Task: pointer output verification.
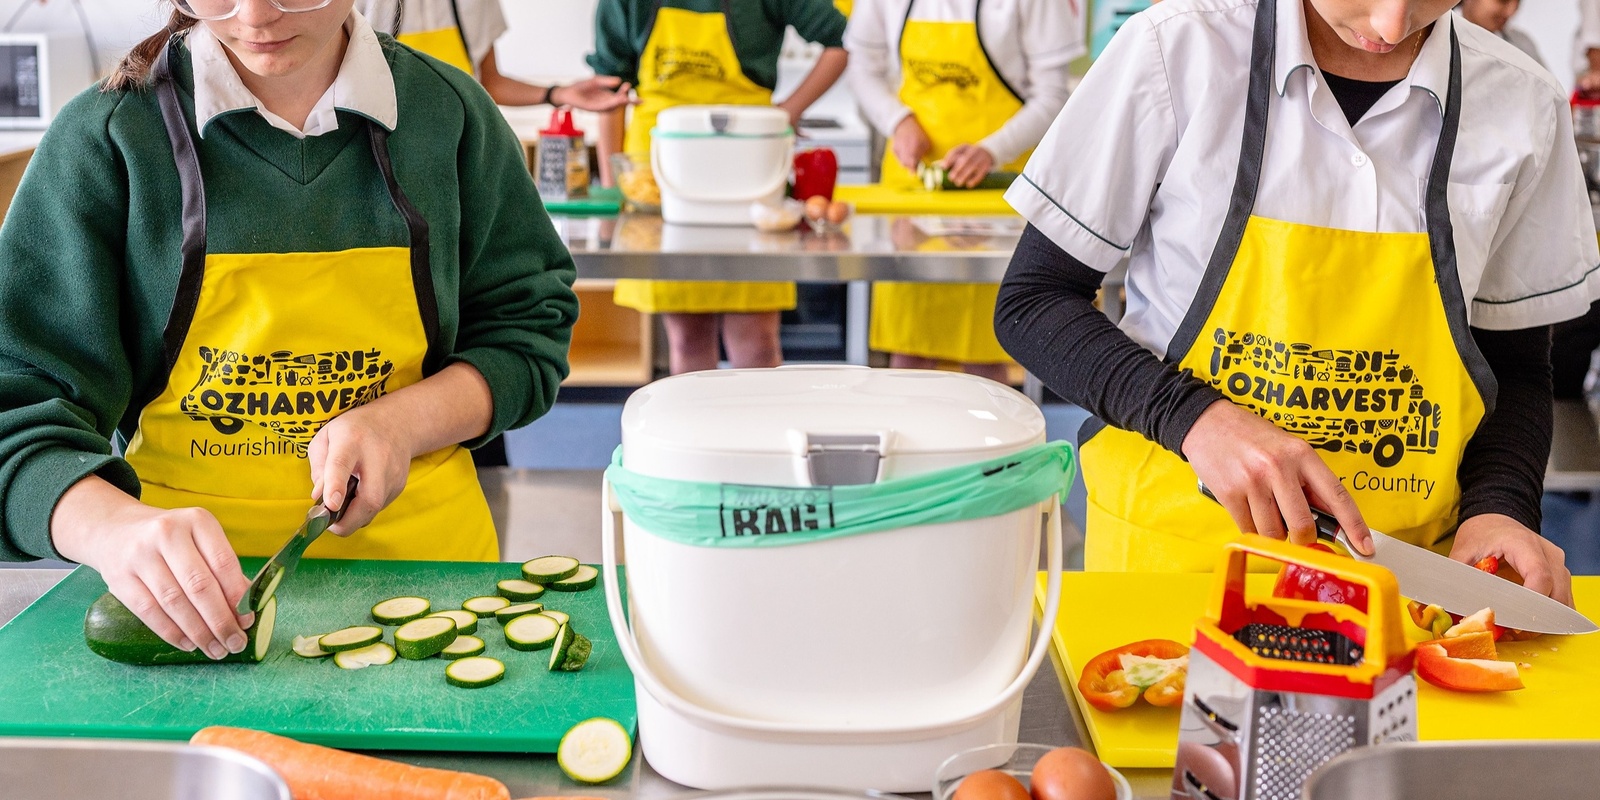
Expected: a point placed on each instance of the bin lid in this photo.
(770, 411)
(694, 121)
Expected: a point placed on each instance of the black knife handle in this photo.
(349, 497)
(1327, 524)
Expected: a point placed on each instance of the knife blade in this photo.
(1432, 579)
(283, 563)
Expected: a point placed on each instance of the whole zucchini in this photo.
(113, 632)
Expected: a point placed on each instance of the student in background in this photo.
(972, 85)
(1493, 16)
(272, 253)
(694, 52)
(462, 33)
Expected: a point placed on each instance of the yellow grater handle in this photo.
(1386, 640)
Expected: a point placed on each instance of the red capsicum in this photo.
(1303, 583)
(815, 173)
(1106, 685)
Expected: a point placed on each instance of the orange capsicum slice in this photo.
(1436, 666)
(1104, 683)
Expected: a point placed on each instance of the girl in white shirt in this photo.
(1349, 225)
(972, 84)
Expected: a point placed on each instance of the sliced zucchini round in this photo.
(485, 606)
(595, 750)
(309, 647)
(585, 578)
(424, 638)
(462, 647)
(561, 617)
(400, 610)
(370, 656)
(474, 673)
(519, 591)
(571, 651)
(353, 638)
(513, 611)
(531, 632)
(466, 621)
(547, 569)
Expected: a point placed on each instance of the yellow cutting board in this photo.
(1102, 610)
(879, 199)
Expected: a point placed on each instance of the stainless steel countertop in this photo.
(869, 247)
(1047, 718)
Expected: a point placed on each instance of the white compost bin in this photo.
(859, 662)
(712, 162)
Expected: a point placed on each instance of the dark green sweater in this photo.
(89, 261)
(622, 27)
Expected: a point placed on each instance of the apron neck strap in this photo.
(421, 259)
(193, 193)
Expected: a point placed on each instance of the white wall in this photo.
(548, 39)
(1552, 24)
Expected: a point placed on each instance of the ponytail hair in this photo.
(133, 71)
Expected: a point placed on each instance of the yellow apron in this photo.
(1357, 342)
(446, 44)
(250, 382)
(689, 60)
(950, 84)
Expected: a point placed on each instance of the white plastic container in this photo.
(712, 162)
(861, 662)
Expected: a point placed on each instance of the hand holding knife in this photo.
(1432, 579)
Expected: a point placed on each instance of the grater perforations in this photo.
(1293, 745)
(1299, 644)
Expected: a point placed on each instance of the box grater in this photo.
(1278, 687)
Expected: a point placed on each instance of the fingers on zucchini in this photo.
(352, 638)
(585, 577)
(548, 569)
(113, 632)
(374, 655)
(424, 638)
(531, 632)
(475, 672)
(519, 591)
(400, 610)
(485, 606)
(462, 647)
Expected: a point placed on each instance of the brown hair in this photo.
(133, 71)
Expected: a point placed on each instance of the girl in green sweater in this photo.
(275, 252)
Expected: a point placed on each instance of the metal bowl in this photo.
(1016, 760)
(88, 769)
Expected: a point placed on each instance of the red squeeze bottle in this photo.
(815, 173)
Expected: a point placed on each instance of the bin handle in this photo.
(610, 524)
(768, 186)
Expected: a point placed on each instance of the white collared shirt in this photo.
(1141, 163)
(482, 21)
(364, 84)
(1031, 43)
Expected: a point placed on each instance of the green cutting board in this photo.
(600, 202)
(52, 685)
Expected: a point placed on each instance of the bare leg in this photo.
(904, 361)
(994, 372)
(752, 339)
(691, 342)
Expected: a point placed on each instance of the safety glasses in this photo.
(223, 9)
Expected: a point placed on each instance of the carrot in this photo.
(323, 773)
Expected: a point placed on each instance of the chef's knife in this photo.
(1432, 579)
(282, 564)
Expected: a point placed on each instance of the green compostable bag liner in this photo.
(740, 515)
